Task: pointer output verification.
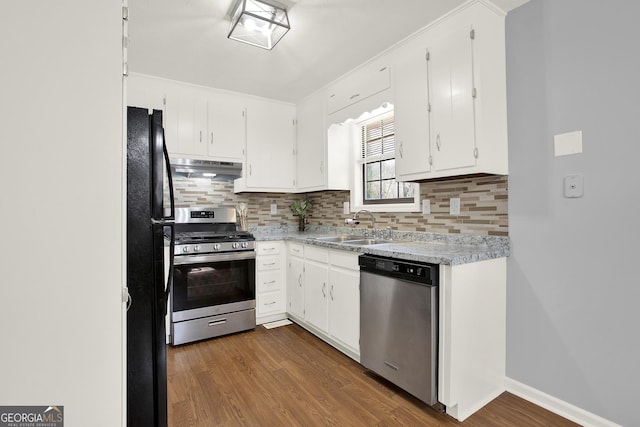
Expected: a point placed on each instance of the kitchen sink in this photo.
(364, 242)
(338, 239)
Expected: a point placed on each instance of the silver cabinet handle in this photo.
(324, 285)
(211, 137)
(269, 263)
(218, 322)
(269, 303)
(395, 368)
(401, 150)
(250, 170)
(272, 248)
(331, 292)
(269, 283)
(200, 136)
(354, 96)
(322, 166)
(438, 142)
(300, 280)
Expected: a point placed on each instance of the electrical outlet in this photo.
(573, 186)
(345, 208)
(274, 209)
(454, 206)
(426, 206)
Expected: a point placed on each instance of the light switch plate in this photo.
(568, 143)
(426, 207)
(454, 206)
(274, 209)
(345, 208)
(573, 186)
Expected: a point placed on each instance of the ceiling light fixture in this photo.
(259, 23)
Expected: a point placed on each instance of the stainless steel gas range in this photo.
(213, 291)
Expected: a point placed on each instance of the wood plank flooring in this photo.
(287, 377)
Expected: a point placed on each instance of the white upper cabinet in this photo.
(270, 147)
(227, 129)
(411, 110)
(358, 85)
(322, 163)
(450, 108)
(145, 92)
(200, 123)
(186, 123)
(451, 80)
(311, 159)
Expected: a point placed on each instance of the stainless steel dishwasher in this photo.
(399, 323)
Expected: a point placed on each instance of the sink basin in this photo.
(338, 239)
(364, 242)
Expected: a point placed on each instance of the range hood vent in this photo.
(211, 169)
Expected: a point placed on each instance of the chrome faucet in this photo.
(354, 220)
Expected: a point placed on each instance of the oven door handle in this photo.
(199, 259)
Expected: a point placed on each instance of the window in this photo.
(377, 155)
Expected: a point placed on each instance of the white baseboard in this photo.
(557, 406)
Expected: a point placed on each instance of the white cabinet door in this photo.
(145, 92)
(450, 69)
(186, 124)
(295, 282)
(227, 131)
(270, 146)
(311, 167)
(344, 306)
(316, 281)
(411, 112)
(358, 85)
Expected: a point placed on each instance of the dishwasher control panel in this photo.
(424, 273)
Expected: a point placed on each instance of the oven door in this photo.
(211, 284)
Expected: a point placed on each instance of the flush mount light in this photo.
(259, 23)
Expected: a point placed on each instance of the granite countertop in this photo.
(424, 247)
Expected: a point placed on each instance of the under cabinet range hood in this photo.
(211, 169)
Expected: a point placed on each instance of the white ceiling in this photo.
(186, 40)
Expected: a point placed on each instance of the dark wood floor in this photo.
(287, 377)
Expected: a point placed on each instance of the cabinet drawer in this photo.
(269, 281)
(344, 259)
(266, 263)
(296, 249)
(268, 248)
(270, 303)
(316, 254)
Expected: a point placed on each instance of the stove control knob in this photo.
(196, 248)
(234, 245)
(216, 246)
(185, 249)
(245, 245)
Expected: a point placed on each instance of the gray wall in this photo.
(573, 310)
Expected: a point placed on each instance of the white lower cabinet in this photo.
(295, 288)
(472, 339)
(344, 299)
(270, 282)
(316, 278)
(329, 288)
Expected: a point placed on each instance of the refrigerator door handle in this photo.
(167, 290)
(165, 152)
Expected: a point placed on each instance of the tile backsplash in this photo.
(483, 205)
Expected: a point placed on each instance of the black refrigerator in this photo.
(149, 228)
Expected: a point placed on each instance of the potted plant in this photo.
(301, 208)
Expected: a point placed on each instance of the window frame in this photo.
(358, 172)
